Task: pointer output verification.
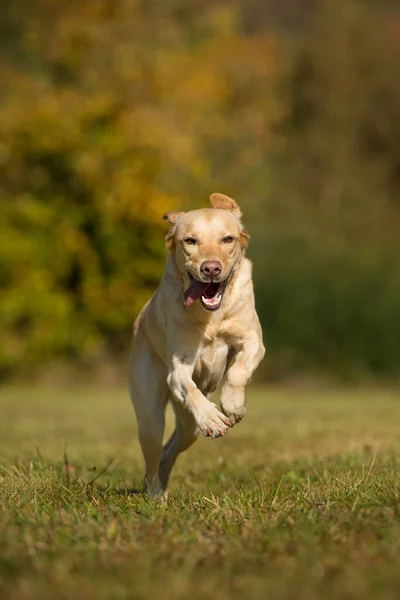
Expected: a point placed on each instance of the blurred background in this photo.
(114, 111)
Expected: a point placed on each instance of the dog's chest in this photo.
(211, 363)
(213, 354)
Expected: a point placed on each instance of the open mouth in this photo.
(209, 292)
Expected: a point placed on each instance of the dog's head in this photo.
(207, 245)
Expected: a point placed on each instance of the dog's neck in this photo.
(196, 312)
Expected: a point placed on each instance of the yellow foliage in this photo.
(103, 128)
(114, 112)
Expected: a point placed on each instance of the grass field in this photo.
(301, 500)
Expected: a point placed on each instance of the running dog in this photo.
(200, 323)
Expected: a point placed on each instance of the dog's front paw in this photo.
(211, 422)
(233, 403)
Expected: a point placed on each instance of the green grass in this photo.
(301, 500)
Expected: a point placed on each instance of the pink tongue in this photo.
(194, 291)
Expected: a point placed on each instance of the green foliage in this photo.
(327, 250)
(129, 109)
(331, 308)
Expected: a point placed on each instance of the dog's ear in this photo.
(172, 216)
(244, 239)
(225, 203)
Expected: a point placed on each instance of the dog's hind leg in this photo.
(149, 395)
(185, 434)
(150, 414)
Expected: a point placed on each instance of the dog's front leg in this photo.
(209, 419)
(233, 399)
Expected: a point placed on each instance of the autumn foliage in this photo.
(112, 113)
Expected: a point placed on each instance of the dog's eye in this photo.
(190, 241)
(228, 239)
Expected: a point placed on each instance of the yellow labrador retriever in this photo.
(200, 321)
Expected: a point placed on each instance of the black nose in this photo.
(211, 268)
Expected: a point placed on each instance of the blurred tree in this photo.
(108, 115)
(112, 112)
(330, 279)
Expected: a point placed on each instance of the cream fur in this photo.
(180, 354)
